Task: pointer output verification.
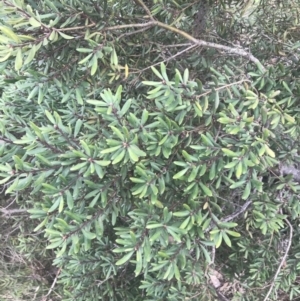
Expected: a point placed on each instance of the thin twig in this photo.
(233, 215)
(53, 284)
(146, 9)
(116, 27)
(213, 255)
(133, 32)
(282, 260)
(167, 59)
(9, 212)
(223, 87)
(76, 27)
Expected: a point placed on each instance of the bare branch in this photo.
(233, 215)
(133, 32)
(8, 212)
(53, 284)
(168, 59)
(146, 9)
(223, 87)
(282, 260)
(232, 50)
(116, 27)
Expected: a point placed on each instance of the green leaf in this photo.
(117, 132)
(233, 233)
(218, 240)
(9, 33)
(132, 155)
(125, 107)
(79, 166)
(111, 149)
(85, 59)
(163, 71)
(84, 50)
(205, 189)
(79, 97)
(124, 258)
(153, 226)
(42, 224)
(31, 54)
(239, 170)
(61, 205)
(139, 262)
(50, 117)
(227, 225)
(226, 239)
(206, 254)
(65, 36)
(181, 213)
(70, 200)
(237, 184)
(19, 60)
(137, 151)
(180, 173)
(4, 180)
(102, 162)
(136, 180)
(56, 243)
(247, 191)
(269, 151)
(212, 171)
(5, 57)
(173, 234)
(185, 223)
(88, 235)
(159, 204)
(114, 58)
(119, 157)
(77, 127)
(230, 153)
(55, 205)
(62, 250)
(176, 272)
(287, 87)
(154, 70)
(94, 63)
(34, 23)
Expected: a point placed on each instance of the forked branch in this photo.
(230, 50)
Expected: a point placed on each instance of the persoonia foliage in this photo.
(148, 182)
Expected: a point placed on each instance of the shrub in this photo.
(149, 180)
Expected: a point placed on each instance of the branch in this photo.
(282, 261)
(223, 87)
(233, 215)
(230, 50)
(133, 32)
(148, 24)
(166, 60)
(236, 51)
(76, 27)
(53, 284)
(146, 9)
(7, 212)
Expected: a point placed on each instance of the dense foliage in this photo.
(154, 145)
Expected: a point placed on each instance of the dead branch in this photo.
(9, 212)
(282, 261)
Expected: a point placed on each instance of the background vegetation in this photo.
(149, 150)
